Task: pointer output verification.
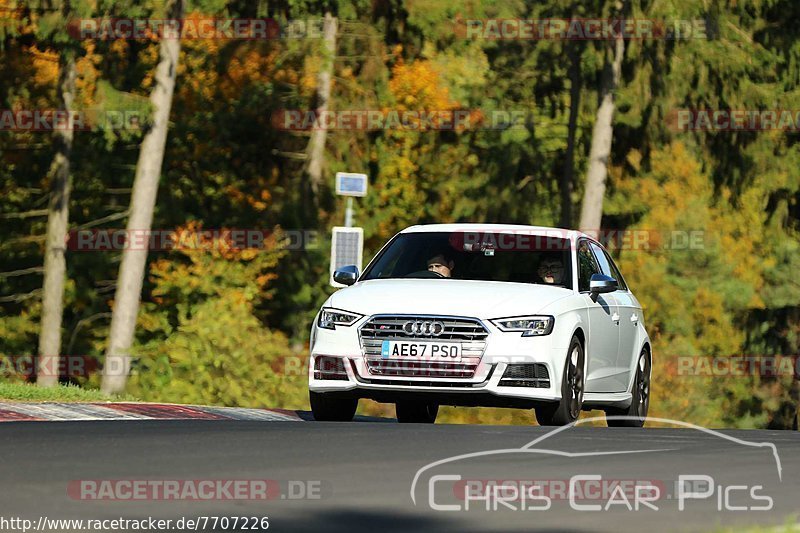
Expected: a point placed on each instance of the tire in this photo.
(640, 402)
(328, 409)
(416, 412)
(568, 409)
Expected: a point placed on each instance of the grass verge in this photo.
(27, 392)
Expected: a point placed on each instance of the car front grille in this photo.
(468, 331)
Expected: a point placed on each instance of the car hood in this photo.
(483, 299)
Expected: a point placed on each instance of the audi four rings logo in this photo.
(428, 329)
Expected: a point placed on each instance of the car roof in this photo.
(499, 228)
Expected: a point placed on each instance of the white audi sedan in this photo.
(483, 315)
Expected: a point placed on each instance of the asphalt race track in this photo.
(360, 474)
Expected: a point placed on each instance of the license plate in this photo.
(422, 351)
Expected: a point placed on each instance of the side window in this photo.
(607, 265)
(605, 268)
(587, 265)
(617, 275)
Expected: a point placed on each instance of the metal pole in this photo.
(348, 214)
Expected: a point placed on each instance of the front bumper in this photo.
(484, 388)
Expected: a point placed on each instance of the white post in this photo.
(348, 214)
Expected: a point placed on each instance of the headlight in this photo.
(329, 318)
(530, 326)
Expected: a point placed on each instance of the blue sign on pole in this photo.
(351, 184)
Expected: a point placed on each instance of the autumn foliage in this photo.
(218, 324)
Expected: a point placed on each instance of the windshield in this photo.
(485, 256)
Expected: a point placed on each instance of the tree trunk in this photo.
(592, 207)
(143, 200)
(316, 144)
(55, 264)
(568, 175)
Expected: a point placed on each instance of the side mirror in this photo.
(347, 275)
(600, 283)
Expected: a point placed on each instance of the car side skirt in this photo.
(620, 400)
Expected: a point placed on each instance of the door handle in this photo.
(635, 319)
(615, 318)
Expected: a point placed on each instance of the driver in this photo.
(551, 270)
(441, 264)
